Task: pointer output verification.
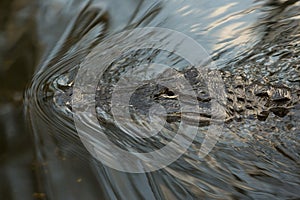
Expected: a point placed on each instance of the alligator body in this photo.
(255, 100)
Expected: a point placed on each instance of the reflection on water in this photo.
(254, 43)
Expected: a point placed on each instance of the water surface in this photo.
(254, 41)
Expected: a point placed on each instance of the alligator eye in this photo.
(166, 93)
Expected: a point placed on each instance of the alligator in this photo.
(245, 98)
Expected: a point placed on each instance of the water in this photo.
(255, 44)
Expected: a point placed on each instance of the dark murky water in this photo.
(255, 44)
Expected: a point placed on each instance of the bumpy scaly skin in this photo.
(245, 98)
